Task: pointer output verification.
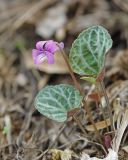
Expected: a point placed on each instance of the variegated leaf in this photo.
(55, 101)
(88, 51)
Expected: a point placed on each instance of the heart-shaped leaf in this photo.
(55, 101)
(88, 51)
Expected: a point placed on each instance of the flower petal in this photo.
(38, 56)
(35, 53)
(50, 57)
(40, 59)
(40, 45)
(61, 44)
(51, 46)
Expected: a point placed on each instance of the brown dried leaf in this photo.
(99, 125)
(94, 96)
(59, 67)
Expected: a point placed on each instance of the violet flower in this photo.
(45, 51)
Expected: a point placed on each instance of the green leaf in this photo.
(55, 101)
(88, 51)
(89, 79)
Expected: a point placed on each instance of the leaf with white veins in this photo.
(55, 101)
(88, 51)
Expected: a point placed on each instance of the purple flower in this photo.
(45, 51)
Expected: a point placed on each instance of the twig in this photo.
(59, 133)
(82, 138)
(41, 155)
(80, 125)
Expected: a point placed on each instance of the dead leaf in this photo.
(94, 96)
(59, 67)
(99, 125)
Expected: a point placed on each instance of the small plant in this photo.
(87, 59)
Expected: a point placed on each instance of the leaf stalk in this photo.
(77, 85)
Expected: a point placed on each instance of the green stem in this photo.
(108, 104)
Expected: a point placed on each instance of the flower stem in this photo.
(77, 85)
(108, 104)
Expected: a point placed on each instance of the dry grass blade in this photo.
(99, 125)
(120, 131)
